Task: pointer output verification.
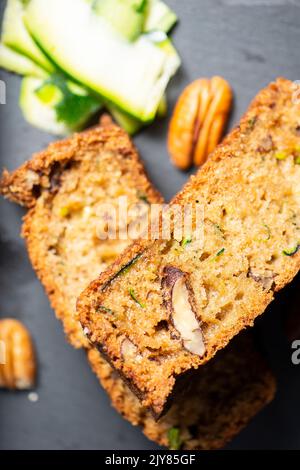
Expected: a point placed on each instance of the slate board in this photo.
(249, 43)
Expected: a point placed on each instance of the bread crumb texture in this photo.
(66, 187)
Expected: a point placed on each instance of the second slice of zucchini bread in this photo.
(176, 303)
(63, 186)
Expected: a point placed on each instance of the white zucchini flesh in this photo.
(18, 63)
(134, 76)
(38, 101)
(35, 112)
(16, 36)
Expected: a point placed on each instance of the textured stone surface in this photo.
(249, 43)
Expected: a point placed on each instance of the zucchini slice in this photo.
(128, 123)
(51, 105)
(18, 63)
(133, 76)
(16, 36)
(126, 16)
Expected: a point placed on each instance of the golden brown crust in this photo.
(155, 379)
(24, 185)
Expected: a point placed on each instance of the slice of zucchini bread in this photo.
(178, 301)
(66, 188)
(62, 188)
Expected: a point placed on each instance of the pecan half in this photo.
(198, 121)
(266, 279)
(128, 349)
(178, 300)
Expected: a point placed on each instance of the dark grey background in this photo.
(249, 44)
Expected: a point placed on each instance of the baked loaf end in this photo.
(250, 193)
(63, 186)
(66, 187)
(216, 405)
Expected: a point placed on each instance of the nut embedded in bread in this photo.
(249, 191)
(178, 300)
